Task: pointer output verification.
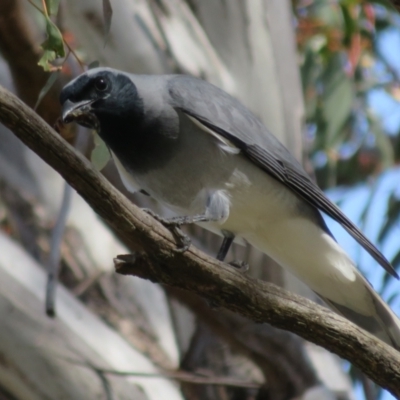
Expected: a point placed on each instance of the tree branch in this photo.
(219, 283)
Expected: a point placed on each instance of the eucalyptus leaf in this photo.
(395, 261)
(53, 46)
(94, 64)
(52, 6)
(350, 25)
(100, 154)
(392, 217)
(392, 298)
(337, 101)
(54, 40)
(47, 58)
(383, 143)
(50, 82)
(324, 11)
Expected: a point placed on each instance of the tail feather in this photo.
(382, 322)
(390, 320)
(309, 252)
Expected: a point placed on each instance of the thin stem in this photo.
(81, 64)
(45, 8)
(45, 13)
(35, 6)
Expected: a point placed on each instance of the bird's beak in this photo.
(75, 111)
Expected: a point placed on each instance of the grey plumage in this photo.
(197, 150)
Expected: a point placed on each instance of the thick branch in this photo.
(195, 271)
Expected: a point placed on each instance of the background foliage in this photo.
(350, 76)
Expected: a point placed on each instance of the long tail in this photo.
(314, 257)
(381, 321)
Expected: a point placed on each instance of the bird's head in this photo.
(99, 95)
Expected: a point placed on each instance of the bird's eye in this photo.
(100, 84)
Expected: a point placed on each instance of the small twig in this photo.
(59, 228)
(35, 6)
(46, 13)
(106, 384)
(71, 50)
(55, 250)
(86, 284)
(183, 376)
(57, 236)
(178, 375)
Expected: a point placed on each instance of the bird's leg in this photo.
(223, 251)
(181, 220)
(174, 225)
(225, 246)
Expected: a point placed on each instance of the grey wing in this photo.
(228, 118)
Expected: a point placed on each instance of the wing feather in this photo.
(228, 118)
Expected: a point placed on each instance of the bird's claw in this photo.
(159, 218)
(242, 266)
(183, 240)
(174, 225)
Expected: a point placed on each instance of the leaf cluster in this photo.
(341, 66)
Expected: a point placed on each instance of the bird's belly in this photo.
(185, 182)
(274, 220)
(257, 199)
(263, 212)
(314, 257)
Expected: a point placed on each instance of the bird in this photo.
(202, 154)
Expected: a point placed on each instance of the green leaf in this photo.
(383, 143)
(53, 46)
(381, 25)
(54, 40)
(350, 25)
(100, 154)
(50, 82)
(46, 59)
(392, 298)
(52, 6)
(349, 3)
(308, 68)
(94, 64)
(337, 101)
(326, 11)
(392, 216)
(396, 260)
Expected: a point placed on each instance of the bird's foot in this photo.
(174, 225)
(242, 266)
